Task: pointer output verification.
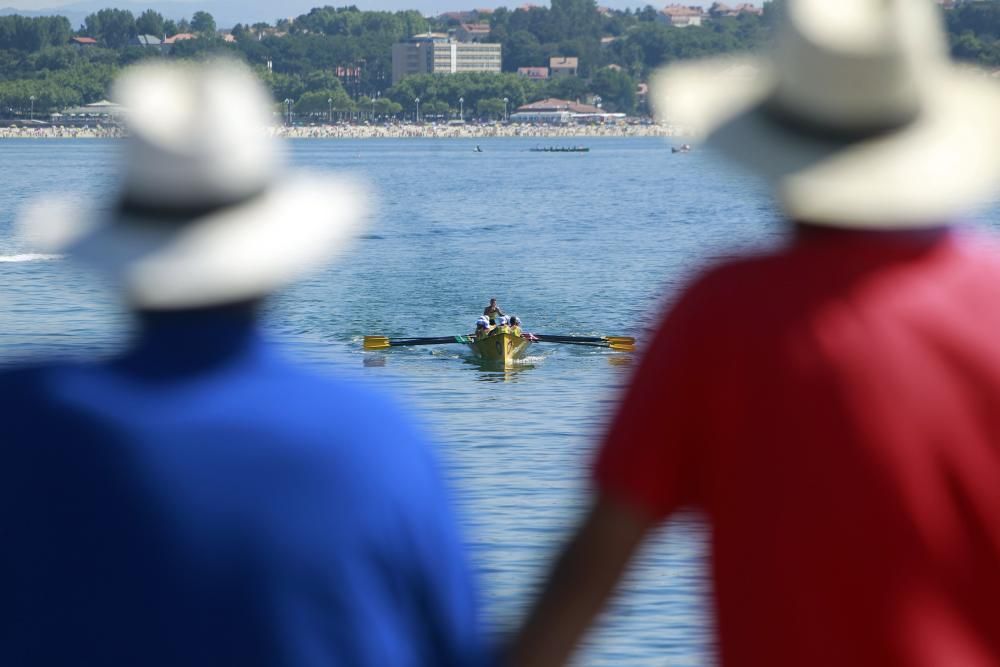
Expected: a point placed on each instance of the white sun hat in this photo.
(206, 214)
(857, 117)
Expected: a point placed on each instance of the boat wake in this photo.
(29, 257)
(529, 360)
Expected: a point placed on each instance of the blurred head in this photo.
(515, 320)
(493, 302)
(857, 117)
(205, 213)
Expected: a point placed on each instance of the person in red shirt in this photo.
(833, 407)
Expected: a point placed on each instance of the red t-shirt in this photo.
(834, 408)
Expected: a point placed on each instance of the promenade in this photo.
(393, 131)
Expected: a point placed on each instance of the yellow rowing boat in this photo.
(500, 348)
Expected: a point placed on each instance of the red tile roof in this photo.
(681, 10)
(179, 37)
(555, 104)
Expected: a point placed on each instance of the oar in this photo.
(625, 347)
(557, 338)
(624, 343)
(383, 342)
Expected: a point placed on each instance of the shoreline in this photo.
(395, 131)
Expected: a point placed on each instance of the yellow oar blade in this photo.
(626, 340)
(376, 342)
(625, 347)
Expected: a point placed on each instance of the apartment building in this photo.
(436, 53)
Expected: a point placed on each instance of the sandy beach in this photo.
(394, 131)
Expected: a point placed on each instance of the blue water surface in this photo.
(575, 243)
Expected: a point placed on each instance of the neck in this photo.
(806, 231)
(178, 342)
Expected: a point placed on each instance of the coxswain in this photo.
(493, 311)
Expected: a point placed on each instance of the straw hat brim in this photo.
(236, 253)
(943, 163)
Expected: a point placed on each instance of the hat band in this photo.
(141, 212)
(791, 121)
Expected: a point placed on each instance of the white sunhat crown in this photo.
(204, 214)
(857, 117)
(197, 134)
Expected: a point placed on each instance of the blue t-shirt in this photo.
(201, 501)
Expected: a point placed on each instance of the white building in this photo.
(435, 53)
(681, 16)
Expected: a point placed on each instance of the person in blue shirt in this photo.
(200, 500)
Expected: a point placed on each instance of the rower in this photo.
(482, 327)
(502, 325)
(515, 325)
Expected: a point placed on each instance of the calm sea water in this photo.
(584, 244)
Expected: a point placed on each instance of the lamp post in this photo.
(505, 109)
(417, 102)
(329, 102)
(288, 110)
(31, 114)
(461, 108)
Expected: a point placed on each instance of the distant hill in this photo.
(75, 17)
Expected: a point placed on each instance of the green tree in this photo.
(616, 88)
(434, 108)
(150, 22)
(320, 102)
(112, 27)
(386, 107)
(203, 23)
(565, 88)
(30, 34)
(523, 50)
(490, 108)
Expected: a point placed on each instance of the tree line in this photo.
(333, 61)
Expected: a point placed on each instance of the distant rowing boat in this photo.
(560, 149)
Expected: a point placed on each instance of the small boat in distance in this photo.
(560, 149)
(684, 148)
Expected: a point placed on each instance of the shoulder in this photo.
(713, 291)
(339, 399)
(28, 382)
(37, 406)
